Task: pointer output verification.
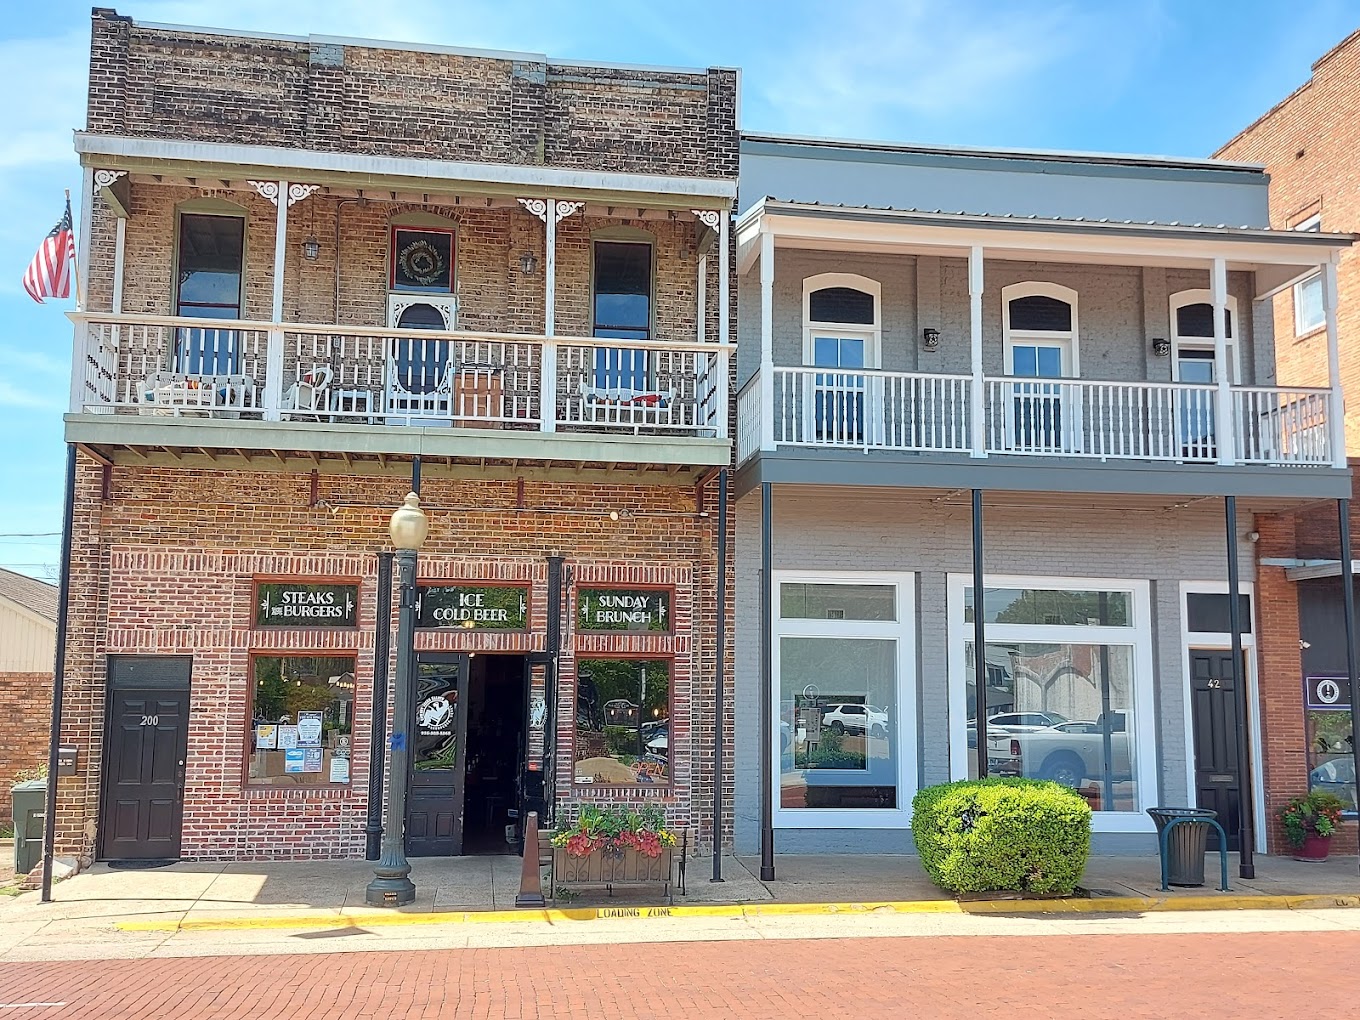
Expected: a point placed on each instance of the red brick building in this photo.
(316, 270)
(1306, 142)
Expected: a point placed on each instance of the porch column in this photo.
(1241, 696)
(1343, 513)
(766, 340)
(119, 248)
(1225, 426)
(1337, 422)
(273, 373)
(978, 401)
(724, 324)
(701, 315)
(767, 773)
(548, 381)
(86, 232)
(979, 639)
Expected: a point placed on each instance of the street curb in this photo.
(1094, 905)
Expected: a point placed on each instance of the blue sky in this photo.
(1177, 77)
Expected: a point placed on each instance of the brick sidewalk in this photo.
(1126, 977)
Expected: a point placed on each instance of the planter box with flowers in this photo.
(1309, 823)
(614, 846)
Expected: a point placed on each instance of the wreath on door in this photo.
(421, 261)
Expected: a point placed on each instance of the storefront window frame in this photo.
(1221, 641)
(903, 631)
(665, 789)
(1137, 636)
(248, 722)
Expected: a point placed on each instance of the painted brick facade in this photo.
(1306, 143)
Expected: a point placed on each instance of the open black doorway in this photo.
(495, 749)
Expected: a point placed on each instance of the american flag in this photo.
(49, 274)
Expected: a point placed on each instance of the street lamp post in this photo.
(392, 885)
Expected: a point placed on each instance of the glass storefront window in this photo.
(801, 601)
(1331, 766)
(1062, 712)
(623, 721)
(838, 739)
(1053, 607)
(302, 715)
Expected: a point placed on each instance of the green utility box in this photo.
(30, 805)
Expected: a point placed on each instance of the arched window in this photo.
(842, 327)
(1039, 328)
(1192, 337)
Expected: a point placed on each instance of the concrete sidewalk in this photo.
(318, 893)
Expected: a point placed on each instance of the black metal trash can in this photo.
(1186, 845)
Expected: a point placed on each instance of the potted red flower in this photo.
(612, 846)
(1309, 823)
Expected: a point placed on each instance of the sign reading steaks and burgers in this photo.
(479, 607)
(636, 609)
(301, 604)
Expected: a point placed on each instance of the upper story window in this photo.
(1308, 311)
(422, 260)
(841, 321)
(210, 254)
(1192, 337)
(621, 307)
(1039, 326)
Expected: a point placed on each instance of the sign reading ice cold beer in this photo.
(297, 604)
(623, 609)
(472, 606)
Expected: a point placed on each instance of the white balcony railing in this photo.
(166, 365)
(1142, 421)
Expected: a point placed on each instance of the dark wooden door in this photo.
(143, 803)
(1218, 785)
(434, 803)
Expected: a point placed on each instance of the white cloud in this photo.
(44, 399)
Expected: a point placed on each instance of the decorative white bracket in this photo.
(538, 208)
(106, 178)
(708, 217)
(565, 209)
(269, 190)
(297, 192)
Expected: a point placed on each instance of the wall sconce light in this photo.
(527, 264)
(1161, 348)
(311, 249)
(930, 339)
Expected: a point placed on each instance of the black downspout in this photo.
(1106, 723)
(766, 684)
(1246, 866)
(377, 741)
(547, 774)
(415, 474)
(979, 639)
(1343, 512)
(720, 678)
(59, 675)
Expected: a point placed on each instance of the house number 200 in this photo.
(151, 720)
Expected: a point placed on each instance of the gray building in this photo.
(1080, 344)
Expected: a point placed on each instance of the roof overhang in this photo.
(1312, 570)
(230, 161)
(1278, 257)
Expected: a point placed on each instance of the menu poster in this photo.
(287, 737)
(311, 759)
(266, 737)
(293, 760)
(339, 770)
(309, 729)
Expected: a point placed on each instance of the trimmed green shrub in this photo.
(1022, 835)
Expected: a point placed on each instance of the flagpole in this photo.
(75, 262)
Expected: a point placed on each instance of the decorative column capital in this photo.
(708, 217)
(106, 178)
(268, 190)
(565, 209)
(298, 192)
(536, 207)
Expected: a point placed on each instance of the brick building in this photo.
(28, 629)
(1306, 143)
(320, 270)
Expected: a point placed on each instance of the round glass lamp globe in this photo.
(409, 525)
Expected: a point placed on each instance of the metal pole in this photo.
(720, 678)
(377, 741)
(391, 885)
(766, 684)
(58, 675)
(979, 639)
(1343, 513)
(415, 474)
(1246, 867)
(548, 771)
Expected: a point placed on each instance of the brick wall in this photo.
(25, 715)
(1306, 143)
(408, 101)
(172, 554)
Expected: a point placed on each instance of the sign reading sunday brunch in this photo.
(624, 609)
(299, 604)
(479, 607)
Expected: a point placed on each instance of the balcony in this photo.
(300, 384)
(1064, 418)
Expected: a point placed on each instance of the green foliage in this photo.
(621, 740)
(1318, 813)
(1022, 835)
(831, 753)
